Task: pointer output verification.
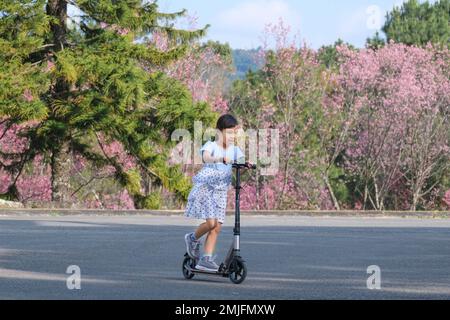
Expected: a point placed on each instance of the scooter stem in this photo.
(237, 216)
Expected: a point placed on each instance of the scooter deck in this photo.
(204, 271)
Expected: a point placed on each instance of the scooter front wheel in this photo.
(188, 264)
(238, 271)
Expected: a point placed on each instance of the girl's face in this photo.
(229, 136)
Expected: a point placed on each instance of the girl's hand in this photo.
(250, 165)
(226, 160)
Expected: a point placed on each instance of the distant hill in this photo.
(244, 60)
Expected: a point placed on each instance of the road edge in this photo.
(310, 213)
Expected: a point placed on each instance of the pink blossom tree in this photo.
(286, 94)
(92, 187)
(204, 68)
(403, 95)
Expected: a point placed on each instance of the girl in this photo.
(208, 197)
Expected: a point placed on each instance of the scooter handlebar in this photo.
(252, 166)
(246, 165)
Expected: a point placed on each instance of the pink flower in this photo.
(28, 96)
(358, 205)
(50, 66)
(446, 199)
(123, 31)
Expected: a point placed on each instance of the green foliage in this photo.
(152, 201)
(11, 194)
(224, 50)
(93, 83)
(328, 55)
(338, 176)
(416, 23)
(375, 42)
(23, 27)
(65, 66)
(132, 181)
(247, 97)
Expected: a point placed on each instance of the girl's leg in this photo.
(204, 228)
(211, 239)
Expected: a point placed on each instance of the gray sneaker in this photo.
(207, 264)
(192, 247)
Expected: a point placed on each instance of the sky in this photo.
(317, 22)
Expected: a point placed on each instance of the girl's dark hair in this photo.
(227, 121)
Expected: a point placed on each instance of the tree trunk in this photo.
(365, 196)
(61, 161)
(146, 182)
(330, 190)
(377, 196)
(266, 198)
(415, 201)
(257, 184)
(61, 164)
(58, 9)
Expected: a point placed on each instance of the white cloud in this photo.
(253, 15)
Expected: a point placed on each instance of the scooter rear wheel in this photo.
(238, 271)
(188, 263)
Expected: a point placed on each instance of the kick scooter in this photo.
(234, 266)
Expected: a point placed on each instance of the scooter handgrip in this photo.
(251, 166)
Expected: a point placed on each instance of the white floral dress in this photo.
(208, 197)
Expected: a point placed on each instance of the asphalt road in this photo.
(139, 257)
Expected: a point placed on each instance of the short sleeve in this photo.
(209, 146)
(238, 154)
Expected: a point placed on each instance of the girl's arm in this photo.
(241, 159)
(208, 158)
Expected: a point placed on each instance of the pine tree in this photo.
(416, 23)
(376, 42)
(78, 81)
(329, 56)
